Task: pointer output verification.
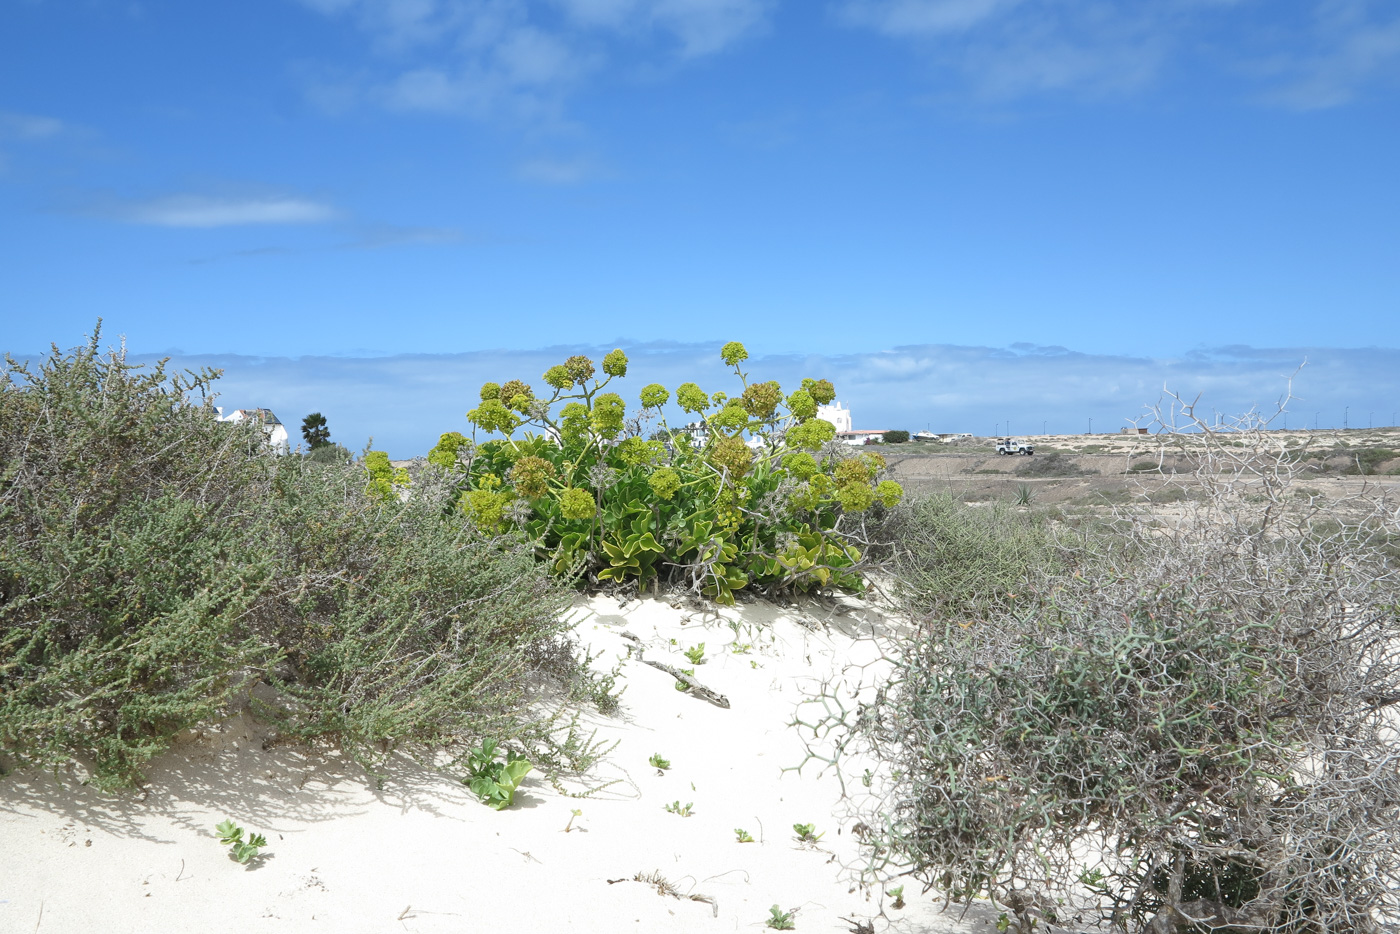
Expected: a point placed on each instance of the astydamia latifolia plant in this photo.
(750, 493)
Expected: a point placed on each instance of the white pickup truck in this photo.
(1012, 446)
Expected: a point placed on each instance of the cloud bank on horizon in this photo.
(406, 401)
(301, 179)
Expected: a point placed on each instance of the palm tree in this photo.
(314, 430)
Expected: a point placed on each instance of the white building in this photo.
(272, 426)
(840, 416)
(837, 414)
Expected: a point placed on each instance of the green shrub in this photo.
(601, 500)
(1053, 464)
(1367, 461)
(156, 565)
(898, 436)
(949, 557)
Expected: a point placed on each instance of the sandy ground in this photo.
(421, 854)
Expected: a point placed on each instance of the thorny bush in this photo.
(158, 568)
(1192, 729)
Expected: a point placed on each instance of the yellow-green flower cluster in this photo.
(655, 396)
(802, 405)
(811, 434)
(573, 423)
(575, 503)
(444, 454)
(558, 377)
(732, 417)
(855, 497)
(821, 390)
(579, 368)
(609, 413)
(635, 452)
(384, 478)
(890, 493)
(664, 482)
(734, 353)
(801, 465)
(485, 508)
(516, 395)
(731, 455)
(761, 399)
(692, 398)
(531, 476)
(615, 363)
(852, 470)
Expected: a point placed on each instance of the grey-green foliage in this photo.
(953, 557)
(156, 564)
(1198, 726)
(1051, 464)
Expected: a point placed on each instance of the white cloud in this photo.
(1351, 49)
(557, 171)
(1319, 54)
(922, 17)
(520, 57)
(202, 211)
(30, 126)
(407, 401)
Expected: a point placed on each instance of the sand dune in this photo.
(421, 854)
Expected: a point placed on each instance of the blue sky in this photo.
(1044, 206)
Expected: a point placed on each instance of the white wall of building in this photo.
(837, 414)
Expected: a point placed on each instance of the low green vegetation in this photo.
(492, 778)
(157, 566)
(683, 810)
(780, 920)
(1051, 464)
(657, 762)
(949, 558)
(241, 851)
(1368, 461)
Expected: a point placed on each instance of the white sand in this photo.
(423, 855)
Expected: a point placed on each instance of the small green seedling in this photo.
(573, 815)
(658, 763)
(743, 835)
(681, 685)
(807, 833)
(867, 778)
(491, 780)
(897, 893)
(696, 654)
(240, 851)
(780, 920)
(675, 807)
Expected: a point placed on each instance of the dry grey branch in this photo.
(1193, 726)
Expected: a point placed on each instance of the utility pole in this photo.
(1345, 412)
(1091, 424)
